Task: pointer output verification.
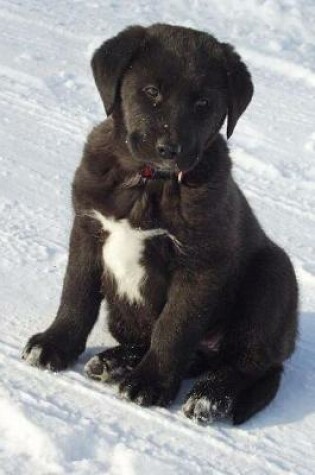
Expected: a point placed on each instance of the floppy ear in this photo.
(111, 60)
(240, 87)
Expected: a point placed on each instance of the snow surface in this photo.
(66, 424)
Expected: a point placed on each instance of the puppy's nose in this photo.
(168, 150)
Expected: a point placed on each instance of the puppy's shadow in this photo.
(296, 397)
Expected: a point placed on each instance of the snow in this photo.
(65, 423)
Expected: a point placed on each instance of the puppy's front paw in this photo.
(113, 364)
(148, 389)
(205, 407)
(46, 351)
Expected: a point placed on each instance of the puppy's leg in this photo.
(227, 393)
(260, 337)
(257, 396)
(175, 336)
(197, 366)
(113, 364)
(212, 397)
(65, 339)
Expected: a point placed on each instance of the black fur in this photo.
(222, 303)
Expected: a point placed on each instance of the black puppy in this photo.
(193, 284)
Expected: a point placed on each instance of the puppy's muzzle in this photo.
(168, 150)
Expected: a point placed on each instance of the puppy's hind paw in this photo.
(205, 409)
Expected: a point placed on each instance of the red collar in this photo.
(150, 173)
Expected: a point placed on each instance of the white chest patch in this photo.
(122, 253)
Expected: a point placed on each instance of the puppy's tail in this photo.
(257, 396)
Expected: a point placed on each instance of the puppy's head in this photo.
(172, 88)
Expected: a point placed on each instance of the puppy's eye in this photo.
(151, 91)
(201, 104)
